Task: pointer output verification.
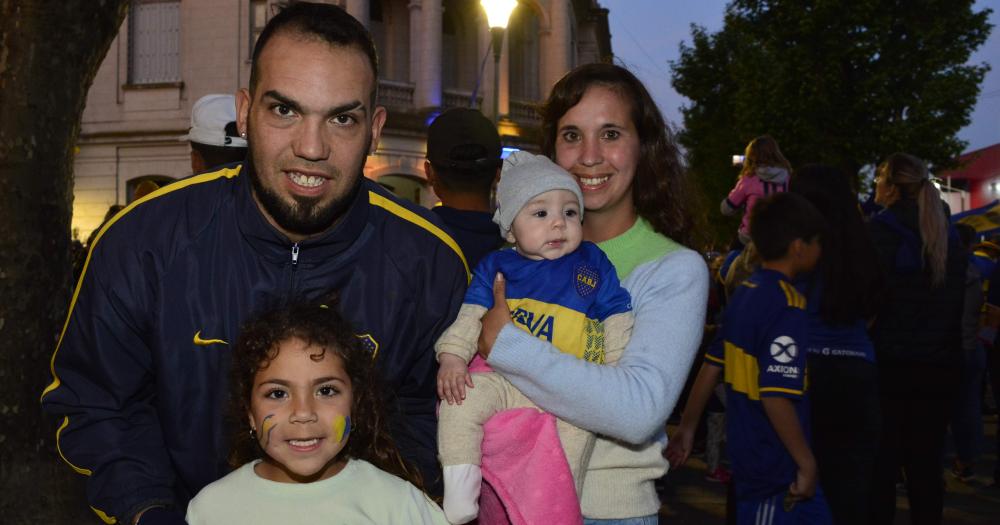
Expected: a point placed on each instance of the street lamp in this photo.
(497, 15)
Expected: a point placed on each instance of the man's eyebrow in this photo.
(332, 112)
(348, 107)
(284, 100)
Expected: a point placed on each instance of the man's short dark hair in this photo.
(777, 220)
(328, 23)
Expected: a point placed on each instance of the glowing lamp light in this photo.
(498, 12)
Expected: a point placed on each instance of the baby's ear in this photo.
(510, 237)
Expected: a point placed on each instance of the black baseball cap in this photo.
(457, 127)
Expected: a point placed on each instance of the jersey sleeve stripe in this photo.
(198, 179)
(781, 390)
(714, 359)
(407, 215)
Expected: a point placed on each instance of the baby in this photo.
(558, 289)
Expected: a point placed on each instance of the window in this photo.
(154, 42)
(258, 19)
(523, 47)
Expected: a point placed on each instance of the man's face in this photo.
(310, 125)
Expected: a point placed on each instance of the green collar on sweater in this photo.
(639, 244)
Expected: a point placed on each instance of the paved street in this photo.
(689, 499)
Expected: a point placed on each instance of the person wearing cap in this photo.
(213, 136)
(559, 289)
(463, 161)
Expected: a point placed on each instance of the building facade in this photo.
(978, 175)
(433, 54)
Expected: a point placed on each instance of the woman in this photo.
(842, 296)
(601, 125)
(916, 335)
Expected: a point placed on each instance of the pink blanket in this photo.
(526, 469)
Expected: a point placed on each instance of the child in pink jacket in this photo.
(765, 171)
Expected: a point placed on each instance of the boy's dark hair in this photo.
(323, 327)
(777, 220)
(328, 23)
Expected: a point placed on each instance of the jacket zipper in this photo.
(290, 289)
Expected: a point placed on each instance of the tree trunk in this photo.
(49, 53)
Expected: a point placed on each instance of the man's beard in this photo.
(305, 216)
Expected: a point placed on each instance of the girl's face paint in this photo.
(266, 427)
(341, 428)
(303, 407)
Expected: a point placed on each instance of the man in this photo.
(141, 370)
(463, 161)
(213, 136)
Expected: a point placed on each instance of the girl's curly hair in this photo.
(323, 327)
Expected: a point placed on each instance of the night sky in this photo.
(645, 35)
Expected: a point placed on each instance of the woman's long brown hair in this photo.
(660, 191)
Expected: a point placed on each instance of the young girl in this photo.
(312, 444)
(765, 171)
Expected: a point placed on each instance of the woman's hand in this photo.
(495, 318)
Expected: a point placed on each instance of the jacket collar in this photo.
(274, 245)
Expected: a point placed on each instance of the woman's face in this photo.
(886, 192)
(598, 143)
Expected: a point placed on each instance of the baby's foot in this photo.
(461, 492)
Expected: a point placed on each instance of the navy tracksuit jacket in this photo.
(140, 375)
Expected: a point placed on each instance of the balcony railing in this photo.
(395, 94)
(454, 98)
(524, 111)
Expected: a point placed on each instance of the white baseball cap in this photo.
(209, 118)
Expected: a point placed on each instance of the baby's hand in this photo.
(453, 377)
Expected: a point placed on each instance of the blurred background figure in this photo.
(213, 136)
(917, 336)
(463, 162)
(765, 171)
(842, 295)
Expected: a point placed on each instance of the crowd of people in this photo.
(280, 339)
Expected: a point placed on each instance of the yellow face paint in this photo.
(266, 427)
(341, 428)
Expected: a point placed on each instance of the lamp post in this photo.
(497, 15)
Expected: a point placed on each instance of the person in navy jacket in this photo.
(141, 368)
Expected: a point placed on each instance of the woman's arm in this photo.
(630, 401)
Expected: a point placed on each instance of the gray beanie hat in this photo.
(525, 176)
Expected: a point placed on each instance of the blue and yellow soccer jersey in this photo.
(561, 301)
(763, 354)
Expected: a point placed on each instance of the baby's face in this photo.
(548, 226)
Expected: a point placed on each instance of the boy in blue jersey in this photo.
(558, 289)
(762, 358)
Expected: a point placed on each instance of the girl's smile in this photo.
(301, 408)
